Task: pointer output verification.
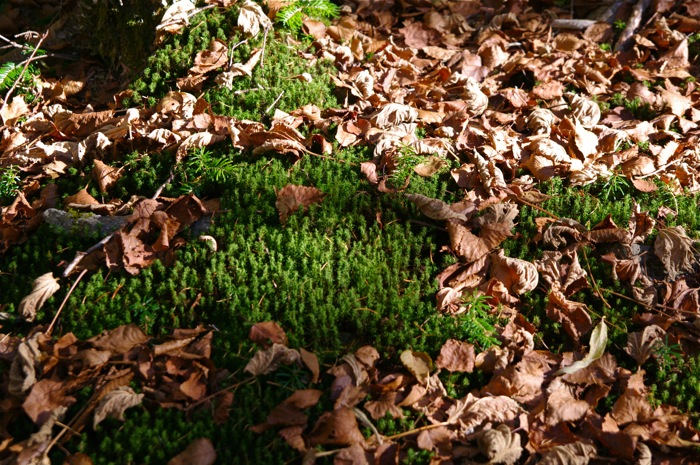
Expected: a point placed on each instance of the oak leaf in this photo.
(42, 289)
(115, 403)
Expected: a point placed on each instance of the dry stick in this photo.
(274, 103)
(70, 291)
(632, 24)
(262, 56)
(21, 74)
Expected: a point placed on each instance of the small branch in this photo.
(79, 256)
(262, 55)
(274, 103)
(167, 181)
(632, 24)
(24, 70)
(70, 291)
(417, 430)
(573, 24)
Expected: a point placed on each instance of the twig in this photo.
(572, 24)
(632, 24)
(262, 55)
(211, 396)
(24, 70)
(167, 181)
(70, 291)
(274, 103)
(417, 430)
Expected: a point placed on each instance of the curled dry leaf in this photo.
(675, 250)
(267, 331)
(23, 368)
(576, 453)
(42, 289)
(105, 175)
(476, 100)
(540, 121)
(252, 19)
(291, 197)
(176, 16)
(209, 240)
(393, 114)
(418, 363)
(585, 110)
(268, 360)
(500, 445)
(120, 340)
(115, 403)
(596, 349)
(200, 452)
(430, 166)
(435, 208)
(519, 276)
(338, 428)
(456, 356)
(642, 344)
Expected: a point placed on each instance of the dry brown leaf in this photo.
(675, 250)
(418, 363)
(120, 340)
(519, 276)
(642, 344)
(176, 16)
(435, 208)
(115, 403)
(291, 197)
(105, 175)
(473, 412)
(15, 110)
(311, 362)
(46, 396)
(393, 114)
(82, 197)
(476, 100)
(24, 366)
(562, 405)
(596, 349)
(576, 453)
(252, 19)
(42, 289)
(267, 331)
(540, 121)
(500, 445)
(215, 56)
(200, 452)
(289, 411)
(586, 111)
(337, 428)
(268, 360)
(430, 166)
(456, 356)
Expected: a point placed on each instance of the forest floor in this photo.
(445, 232)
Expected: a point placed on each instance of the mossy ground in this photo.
(357, 269)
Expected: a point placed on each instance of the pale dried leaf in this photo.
(42, 289)
(252, 19)
(596, 349)
(418, 363)
(24, 365)
(15, 110)
(576, 453)
(115, 403)
(519, 276)
(642, 344)
(500, 445)
(393, 114)
(268, 360)
(456, 356)
(105, 175)
(585, 110)
(675, 250)
(430, 166)
(176, 16)
(476, 100)
(200, 452)
(540, 121)
(120, 340)
(435, 208)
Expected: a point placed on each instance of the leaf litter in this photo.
(538, 406)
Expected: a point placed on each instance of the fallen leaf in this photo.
(418, 363)
(291, 197)
(267, 331)
(642, 344)
(519, 276)
(500, 445)
(435, 208)
(42, 289)
(119, 340)
(336, 428)
(393, 114)
(105, 175)
(456, 356)
(431, 166)
(200, 452)
(45, 396)
(596, 349)
(268, 360)
(23, 373)
(252, 19)
(576, 453)
(311, 362)
(15, 110)
(115, 403)
(675, 250)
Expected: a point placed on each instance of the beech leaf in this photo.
(418, 363)
(268, 360)
(435, 208)
(292, 197)
(596, 349)
(115, 403)
(42, 289)
(500, 445)
(200, 452)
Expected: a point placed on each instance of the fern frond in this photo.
(9, 73)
